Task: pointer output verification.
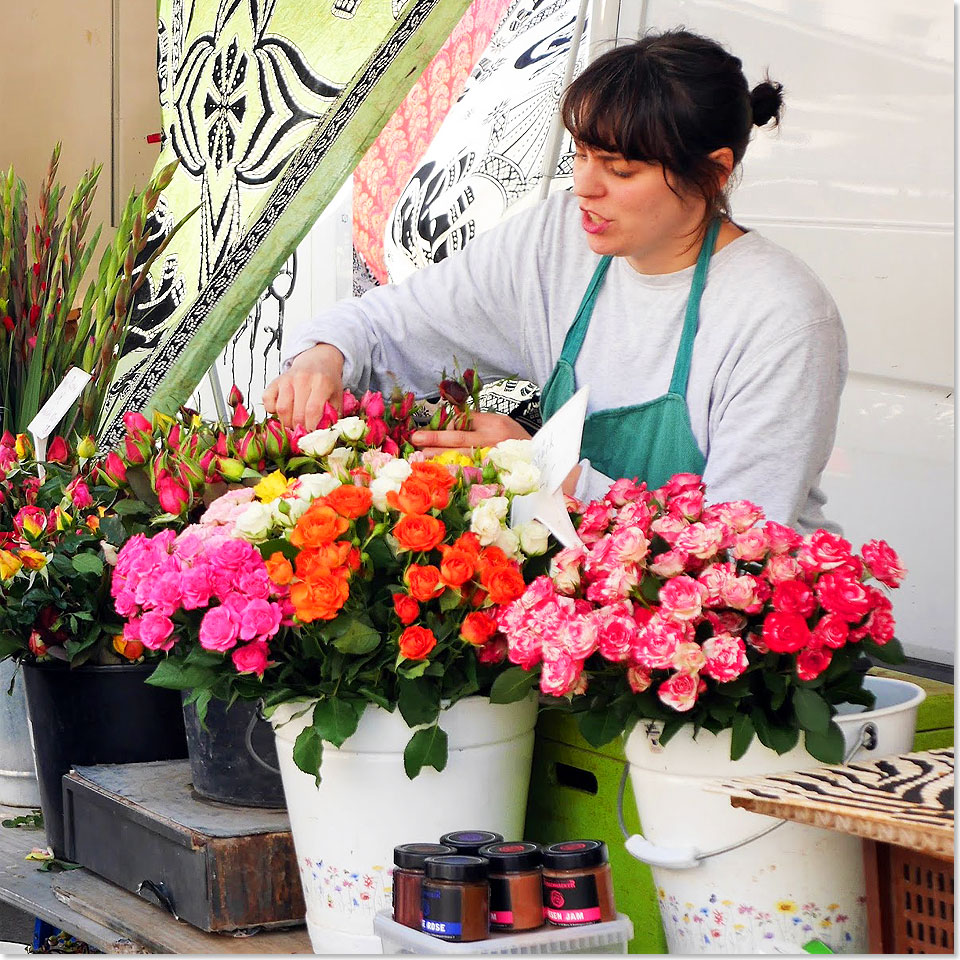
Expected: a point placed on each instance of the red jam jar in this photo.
(577, 884)
(469, 842)
(516, 889)
(408, 877)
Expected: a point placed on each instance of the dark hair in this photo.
(671, 98)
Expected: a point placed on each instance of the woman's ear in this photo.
(723, 158)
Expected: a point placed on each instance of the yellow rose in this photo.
(453, 457)
(270, 487)
(33, 559)
(9, 564)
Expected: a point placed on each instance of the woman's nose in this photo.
(586, 183)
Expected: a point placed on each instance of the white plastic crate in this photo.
(610, 937)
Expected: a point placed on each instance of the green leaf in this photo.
(826, 747)
(308, 752)
(650, 588)
(449, 599)
(512, 685)
(419, 701)
(358, 638)
(776, 683)
(741, 736)
(335, 720)
(601, 727)
(269, 547)
(130, 508)
(773, 735)
(671, 727)
(88, 563)
(890, 652)
(374, 696)
(417, 670)
(426, 748)
(174, 674)
(10, 645)
(813, 712)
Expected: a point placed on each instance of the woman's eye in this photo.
(622, 173)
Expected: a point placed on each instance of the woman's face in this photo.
(628, 210)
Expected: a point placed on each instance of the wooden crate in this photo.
(217, 866)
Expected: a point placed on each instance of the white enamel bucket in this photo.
(792, 885)
(344, 831)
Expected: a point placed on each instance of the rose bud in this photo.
(113, 471)
(7, 439)
(174, 497)
(58, 451)
(30, 522)
(136, 423)
(277, 441)
(372, 404)
(240, 416)
(230, 469)
(87, 448)
(190, 473)
(453, 392)
(236, 397)
(23, 446)
(136, 451)
(350, 405)
(252, 448)
(328, 418)
(173, 437)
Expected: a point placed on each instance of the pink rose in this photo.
(596, 519)
(822, 551)
(164, 592)
(843, 595)
(617, 636)
(79, 494)
(726, 657)
(260, 620)
(785, 632)
(195, 587)
(482, 491)
(713, 579)
(623, 491)
(682, 598)
(811, 663)
(688, 504)
(883, 562)
(524, 647)
(616, 585)
(541, 590)
(565, 569)
(669, 564)
(636, 513)
(831, 631)
(679, 483)
(629, 545)
(638, 678)
(680, 691)
(254, 582)
(688, 657)
(702, 540)
(218, 630)
(156, 631)
(881, 626)
(657, 642)
(578, 638)
(738, 515)
(782, 567)
(794, 596)
(726, 621)
(668, 528)
(750, 545)
(559, 676)
(781, 539)
(741, 592)
(250, 658)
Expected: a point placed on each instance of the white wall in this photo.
(859, 183)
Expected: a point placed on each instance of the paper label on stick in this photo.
(556, 451)
(52, 412)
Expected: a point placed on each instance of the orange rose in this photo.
(469, 542)
(406, 607)
(503, 583)
(436, 474)
(424, 581)
(318, 561)
(417, 642)
(414, 496)
(419, 533)
(350, 501)
(319, 599)
(457, 567)
(490, 557)
(477, 628)
(93, 523)
(279, 569)
(131, 649)
(321, 524)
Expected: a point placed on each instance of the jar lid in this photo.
(470, 841)
(571, 854)
(410, 856)
(511, 856)
(456, 867)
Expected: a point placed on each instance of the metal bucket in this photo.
(18, 772)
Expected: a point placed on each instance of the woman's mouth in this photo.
(593, 222)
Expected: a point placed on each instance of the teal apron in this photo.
(648, 441)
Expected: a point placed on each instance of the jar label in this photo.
(442, 912)
(571, 900)
(501, 906)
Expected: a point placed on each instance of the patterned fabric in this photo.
(267, 105)
(387, 165)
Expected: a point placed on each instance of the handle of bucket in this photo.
(685, 858)
(249, 741)
(162, 892)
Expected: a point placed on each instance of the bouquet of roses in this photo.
(373, 580)
(692, 613)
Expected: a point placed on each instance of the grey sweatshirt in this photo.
(769, 360)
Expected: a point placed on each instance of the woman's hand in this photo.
(298, 396)
(488, 430)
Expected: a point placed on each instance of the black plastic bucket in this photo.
(235, 759)
(96, 714)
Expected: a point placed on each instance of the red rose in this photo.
(843, 595)
(811, 663)
(793, 596)
(832, 631)
(417, 642)
(785, 632)
(406, 607)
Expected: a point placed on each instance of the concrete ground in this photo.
(15, 925)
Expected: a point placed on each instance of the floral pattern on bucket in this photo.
(346, 890)
(729, 926)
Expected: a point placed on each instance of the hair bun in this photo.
(766, 102)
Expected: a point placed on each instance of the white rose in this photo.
(534, 538)
(380, 487)
(350, 428)
(508, 454)
(396, 469)
(341, 459)
(295, 508)
(256, 522)
(521, 478)
(313, 485)
(319, 443)
(486, 521)
(508, 541)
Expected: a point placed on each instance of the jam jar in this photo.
(516, 889)
(408, 877)
(469, 842)
(456, 898)
(577, 884)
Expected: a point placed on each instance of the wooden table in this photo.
(109, 918)
(903, 808)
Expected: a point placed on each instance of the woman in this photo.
(708, 349)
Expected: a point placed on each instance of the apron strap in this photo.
(681, 367)
(578, 331)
